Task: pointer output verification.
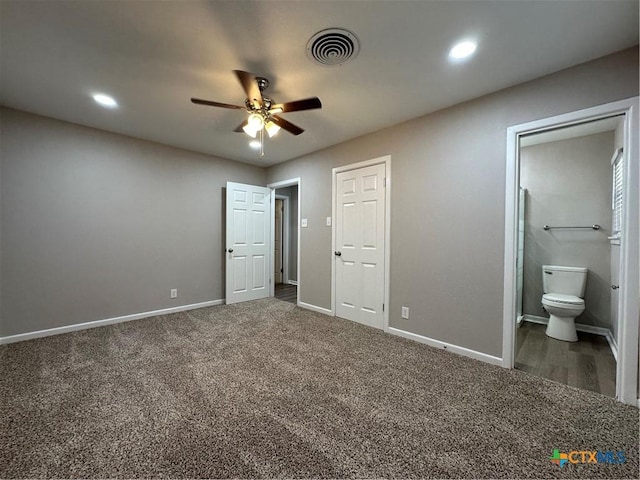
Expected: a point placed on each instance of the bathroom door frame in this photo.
(297, 181)
(629, 307)
(286, 237)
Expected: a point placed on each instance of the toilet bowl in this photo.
(563, 291)
(562, 309)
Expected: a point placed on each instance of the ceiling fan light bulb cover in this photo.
(256, 121)
(272, 128)
(250, 130)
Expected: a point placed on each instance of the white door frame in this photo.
(629, 308)
(286, 232)
(273, 186)
(386, 160)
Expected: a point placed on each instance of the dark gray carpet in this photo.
(266, 389)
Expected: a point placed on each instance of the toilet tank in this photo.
(565, 280)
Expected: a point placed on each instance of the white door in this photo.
(360, 236)
(248, 242)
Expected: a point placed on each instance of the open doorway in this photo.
(569, 254)
(559, 211)
(285, 235)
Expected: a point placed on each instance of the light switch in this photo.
(328, 221)
(303, 223)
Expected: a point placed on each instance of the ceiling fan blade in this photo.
(216, 104)
(298, 105)
(250, 86)
(240, 127)
(288, 126)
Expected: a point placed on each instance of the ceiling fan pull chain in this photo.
(262, 143)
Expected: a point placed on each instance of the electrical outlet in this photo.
(405, 312)
(328, 221)
(174, 293)
(303, 223)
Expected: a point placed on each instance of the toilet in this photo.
(563, 291)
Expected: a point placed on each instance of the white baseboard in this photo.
(315, 308)
(107, 321)
(292, 282)
(535, 319)
(581, 327)
(483, 357)
(613, 345)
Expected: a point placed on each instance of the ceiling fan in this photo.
(263, 111)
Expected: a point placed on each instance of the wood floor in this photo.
(587, 363)
(288, 293)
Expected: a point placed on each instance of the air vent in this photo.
(333, 46)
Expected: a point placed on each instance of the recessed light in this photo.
(462, 50)
(254, 144)
(105, 100)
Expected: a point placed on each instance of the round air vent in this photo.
(333, 46)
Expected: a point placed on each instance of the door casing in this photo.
(629, 307)
(386, 160)
(286, 236)
(273, 186)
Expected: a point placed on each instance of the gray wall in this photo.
(447, 201)
(569, 183)
(97, 225)
(292, 265)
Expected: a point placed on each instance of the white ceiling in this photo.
(153, 56)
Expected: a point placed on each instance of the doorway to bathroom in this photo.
(572, 214)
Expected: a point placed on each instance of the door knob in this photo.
(230, 250)
(615, 287)
(338, 254)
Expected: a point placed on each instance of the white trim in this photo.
(272, 234)
(292, 282)
(107, 321)
(386, 160)
(466, 352)
(281, 184)
(627, 366)
(580, 327)
(315, 308)
(613, 345)
(509, 302)
(286, 235)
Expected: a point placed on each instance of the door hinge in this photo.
(384, 182)
(383, 307)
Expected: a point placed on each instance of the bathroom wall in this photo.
(568, 183)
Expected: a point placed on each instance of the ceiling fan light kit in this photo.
(263, 112)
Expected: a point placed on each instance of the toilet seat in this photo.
(561, 300)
